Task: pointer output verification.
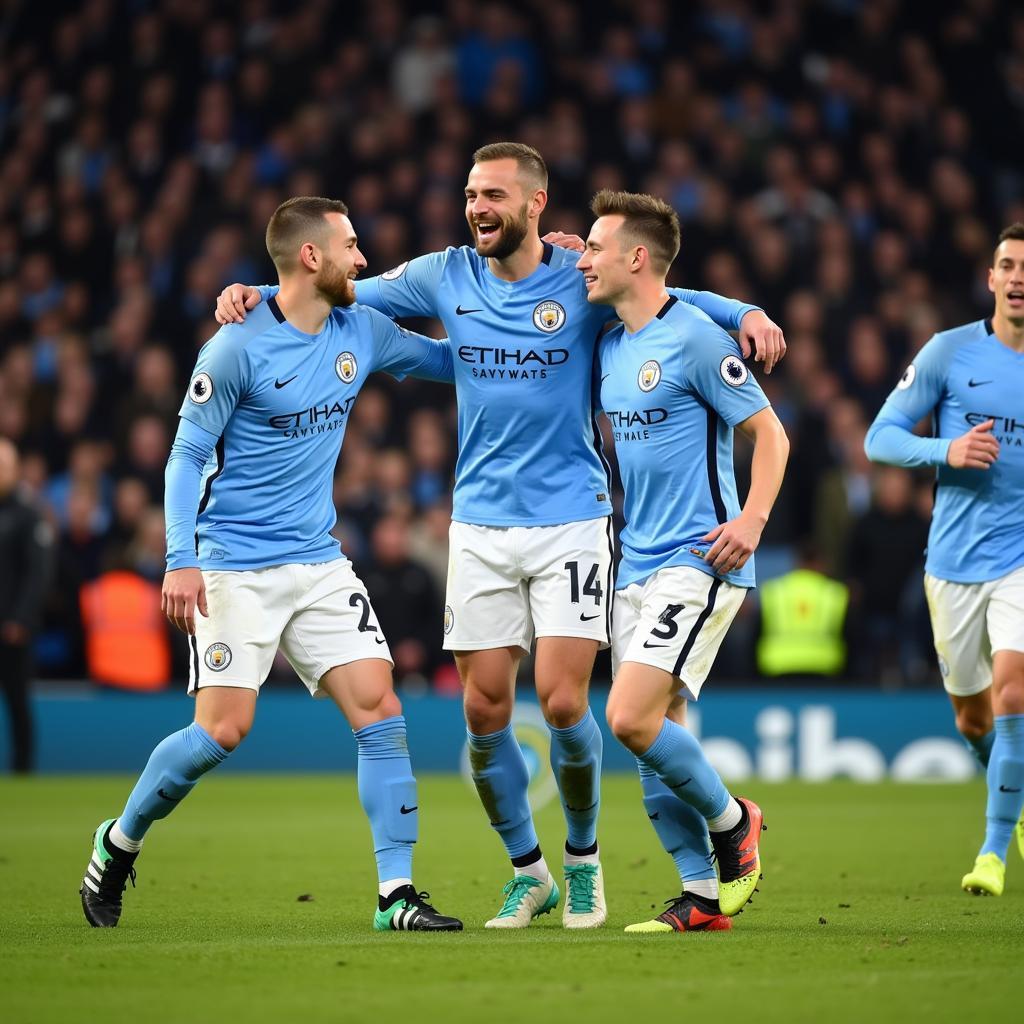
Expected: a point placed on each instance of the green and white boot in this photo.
(106, 877)
(526, 897)
(584, 897)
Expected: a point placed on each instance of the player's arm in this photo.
(410, 289)
(219, 380)
(404, 353)
(757, 331)
(718, 375)
(891, 437)
(735, 541)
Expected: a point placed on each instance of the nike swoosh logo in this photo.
(647, 643)
(170, 799)
(1007, 789)
(654, 816)
(459, 311)
(605, 377)
(581, 810)
(282, 383)
(495, 824)
(408, 810)
(379, 640)
(972, 383)
(685, 782)
(587, 618)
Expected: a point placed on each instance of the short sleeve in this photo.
(410, 289)
(218, 383)
(400, 352)
(713, 365)
(921, 387)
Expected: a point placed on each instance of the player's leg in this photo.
(973, 714)
(230, 656)
(684, 617)
(223, 717)
(335, 644)
(570, 569)
(683, 833)
(502, 781)
(487, 628)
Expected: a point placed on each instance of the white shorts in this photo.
(969, 622)
(509, 584)
(319, 615)
(675, 620)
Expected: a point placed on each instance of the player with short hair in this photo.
(970, 381)
(673, 386)
(249, 511)
(531, 539)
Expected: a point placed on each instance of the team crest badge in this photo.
(200, 390)
(449, 619)
(345, 366)
(908, 377)
(649, 375)
(395, 272)
(733, 372)
(218, 657)
(548, 316)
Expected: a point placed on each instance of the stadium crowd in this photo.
(846, 165)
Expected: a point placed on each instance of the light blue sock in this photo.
(681, 828)
(981, 747)
(677, 759)
(503, 781)
(175, 766)
(576, 761)
(1005, 784)
(387, 791)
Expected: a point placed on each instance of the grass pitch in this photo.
(860, 916)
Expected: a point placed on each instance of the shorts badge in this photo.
(218, 657)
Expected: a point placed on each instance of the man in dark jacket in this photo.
(26, 543)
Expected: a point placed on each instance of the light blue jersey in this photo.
(961, 378)
(273, 403)
(673, 393)
(529, 450)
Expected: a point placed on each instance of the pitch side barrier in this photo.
(772, 734)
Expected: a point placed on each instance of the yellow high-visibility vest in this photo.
(802, 616)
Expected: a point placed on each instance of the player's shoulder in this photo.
(943, 346)
(558, 258)
(685, 324)
(234, 339)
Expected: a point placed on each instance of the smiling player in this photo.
(249, 513)
(531, 541)
(674, 388)
(970, 380)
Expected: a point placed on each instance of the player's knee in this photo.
(565, 707)
(629, 728)
(973, 723)
(1008, 694)
(228, 732)
(486, 713)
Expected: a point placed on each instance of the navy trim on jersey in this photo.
(213, 476)
(697, 626)
(599, 448)
(275, 309)
(549, 251)
(672, 300)
(989, 329)
(713, 482)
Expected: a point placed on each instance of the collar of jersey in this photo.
(290, 328)
(545, 261)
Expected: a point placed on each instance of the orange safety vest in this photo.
(126, 641)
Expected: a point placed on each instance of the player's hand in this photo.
(573, 242)
(977, 449)
(184, 591)
(734, 543)
(758, 332)
(233, 302)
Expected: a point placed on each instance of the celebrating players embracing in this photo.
(530, 542)
(970, 380)
(260, 432)
(674, 387)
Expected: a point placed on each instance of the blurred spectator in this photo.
(26, 544)
(406, 601)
